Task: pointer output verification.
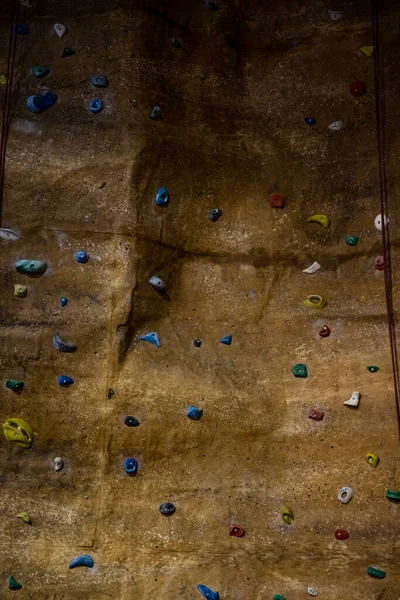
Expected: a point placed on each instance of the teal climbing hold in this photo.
(392, 495)
(31, 267)
(13, 585)
(40, 72)
(376, 573)
(300, 370)
(278, 597)
(373, 369)
(352, 240)
(227, 340)
(15, 386)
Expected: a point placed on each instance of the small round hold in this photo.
(309, 121)
(312, 591)
(65, 381)
(155, 113)
(157, 283)
(96, 105)
(315, 415)
(167, 508)
(131, 421)
(373, 369)
(357, 89)
(63, 301)
(236, 531)
(380, 263)
(197, 343)
(214, 214)
(300, 370)
(352, 240)
(176, 43)
(81, 256)
(324, 332)
(130, 466)
(99, 81)
(341, 534)
(345, 494)
(378, 222)
(276, 201)
(58, 464)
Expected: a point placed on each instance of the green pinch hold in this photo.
(300, 370)
(14, 585)
(352, 240)
(31, 267)
(376, 573)
(278, 597)
(392, 494)
(40, 72)
(373, 369)
(15, 386)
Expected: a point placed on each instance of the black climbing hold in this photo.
(197, 343)
(21, 29)
(67, 52)
(110, 393)
(167, 508)
(63, 301)
(99, 81)
(212, 5)
(214, 214)
(155, 113)
(131, 422)
(176, 43)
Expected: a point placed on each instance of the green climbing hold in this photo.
(393, 495)
(15, 386)
(300, 370)
(287, 515)
(373, 369)
(31, 267)
(376, 573)
(278, 597)
(40, 71)
(352, 240)
(14, 585)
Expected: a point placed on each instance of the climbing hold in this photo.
(336, 15)
(62, 346)
(276, 201)
(26, 3)
(345, 494)
(374, 572)
(309, 120)
(58, 464)
(3, 79)
(21, 29)
(96, 106)
(25, 517)
(100, 185)
(380, 263)
(176, 43)
(85, 560)
(31, 267)
(99, 81)
(15, 386)
(197, 343)
(212, 5)
(335, 126)
(131, 422)
(372, 459)
(312, 268)
(9, 234)
(322, 219)
(352, 240)
(167, 508)
(155, 113)
(287, 515)
(214, 214)
(378, 222)
(67, 52)
(392, 495)
(40, 103)
(207, 593)
(130, 466)
(151, 337)
(60, 29)
(236, 530)
(300, 370)
(278, 597)
(373, 369)
(162, 197)
(324, 332)
(357, 89)
(81, 256)
(13, 585)
(40, 72)
(65, 381)
(20, 291)
(315, 301)
(354, 400)
(110, 393)
(18, 431)
(367, 50)
(315, 415)
(157, 283)
(63, 301)
(194, 413)
(227, 340)
(312, 592)
(341, 534)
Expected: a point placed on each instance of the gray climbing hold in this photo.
(336, 15)
(58, 464)
(9, 235)
(99, 81)
(214, 214)
(62, 346)
(155, 113)
(345, 494)
(60, 29)
(157, 283)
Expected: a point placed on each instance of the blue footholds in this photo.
(227, 340)
(95, 106)
(130, 466)
(64, 380)
(207, 593)
(194, 413)
(151, 337)
(39, 103)
(162, 197)
(63, 301)
(99, 81)
(81, 256)
(84, 560)
(21, 29)
(309, 120)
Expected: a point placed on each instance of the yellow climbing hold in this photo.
(25, 517)
(26, 3)
(322, 219)
(315, 301)
(19, 432)
(367, 50)
(3, 79)
(372, 459)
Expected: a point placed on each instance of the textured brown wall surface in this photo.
(233, 99)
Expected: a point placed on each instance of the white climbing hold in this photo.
(345, 494)
(378, 222)
(336, 126)
(336, 15)
(9, 234)
(60, 29)
(58, 463)
(312, 592)
(354, 400)
(312, 268)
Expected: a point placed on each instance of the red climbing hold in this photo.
(276, 201)
(325, 331)
(236, 531)
(314, 414)
(380, 263)
(341, 534)
(357, 89)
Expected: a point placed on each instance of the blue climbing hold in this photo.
(96, 106)
(207, 593)
(130, 466)
(84, 560)
(99, 81)
(64, 380)
(227, 339)
(63, 301)
(21, 29)
(81, 256)
(39, 103)
(194, 413)
(162, 197)
(309, 120)
(151, 337)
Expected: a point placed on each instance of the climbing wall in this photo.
(250, 96)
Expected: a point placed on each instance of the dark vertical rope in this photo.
(380, 124)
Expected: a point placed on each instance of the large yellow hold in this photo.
(18, 432)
